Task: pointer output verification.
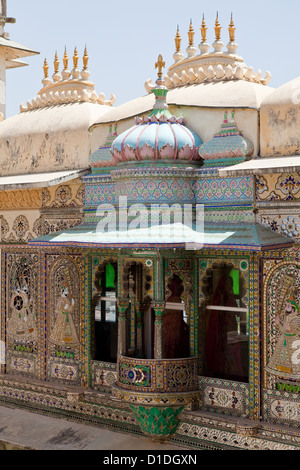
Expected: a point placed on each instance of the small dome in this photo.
(159, 136)
(227, 143)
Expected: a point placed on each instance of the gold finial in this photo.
(191, 34)
(203, 30)
(177, 40)
(75, 58)
(56, 63)
(231, 30)
(85, 59)
(66, 60)
(46, 68)
(160, 64)
(218, 28)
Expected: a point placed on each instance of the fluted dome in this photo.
(159, 136)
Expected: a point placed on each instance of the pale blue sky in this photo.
(124, 39)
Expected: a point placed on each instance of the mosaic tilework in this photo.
(228, 397)
(224, 189)
(157, 184)
(284, 220)
(157, 375)
(104, 375)
(282, 407)
(99, 189)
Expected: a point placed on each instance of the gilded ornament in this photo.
(191, 34)
(231, 30)
(218, 28)
(203, 30)
(177, 40)
(160, 64)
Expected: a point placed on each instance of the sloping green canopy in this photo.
(245, 236)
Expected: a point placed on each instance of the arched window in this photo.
(225, 326)
(106, 315)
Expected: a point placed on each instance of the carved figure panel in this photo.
(63, 324)
(282, 317)
(22, 315)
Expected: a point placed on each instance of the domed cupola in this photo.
(228, 146)
(159, 136)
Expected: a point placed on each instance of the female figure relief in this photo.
(285, 362)
(64, 332)
(21, 325)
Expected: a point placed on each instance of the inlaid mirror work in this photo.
(21, 316)
(282, 324)
(63, 322)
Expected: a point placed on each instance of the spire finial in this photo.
(203, 30)
(191, 34)
(66, 60)
(75, 71)
(56, 63)
(66, 72)
(177, 40)
(160, 64)
(46, 68)
(231, 30)
(85, 59)
(218, 28)
(178, 54)
(46, 80)
(75, 58)
(191, 50)
(85, 73)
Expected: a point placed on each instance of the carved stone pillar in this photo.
(122, 346)
(159, 308)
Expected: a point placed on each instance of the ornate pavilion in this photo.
(149, 254)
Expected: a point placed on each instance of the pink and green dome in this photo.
(159, 136)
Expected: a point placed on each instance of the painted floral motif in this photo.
(289, 185)
(20, 226)
(261, 185)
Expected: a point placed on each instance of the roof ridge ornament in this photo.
(218, 44)
(232, 45)
(191, 50)
(56, 76)
(66, 73)
(203, 46)
(178, 54)
(67, 87)
(215, 65)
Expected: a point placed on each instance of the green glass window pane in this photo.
(110, 276)
(235, 276)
